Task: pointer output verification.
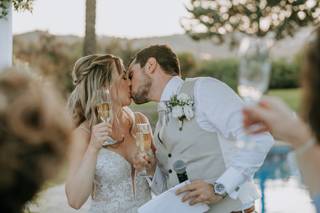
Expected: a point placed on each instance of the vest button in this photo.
(169, 155)
(170, 171)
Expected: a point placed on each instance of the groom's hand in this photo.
(199, 191)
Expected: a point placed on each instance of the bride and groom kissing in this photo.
(199, 121)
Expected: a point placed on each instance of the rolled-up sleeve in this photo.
(223, 110)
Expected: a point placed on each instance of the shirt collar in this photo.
(172, 88)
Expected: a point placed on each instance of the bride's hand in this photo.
(151, 164)
(147, 162)
(99, 134)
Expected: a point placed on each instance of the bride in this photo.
(104, 172)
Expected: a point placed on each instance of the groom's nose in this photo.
(130, 87)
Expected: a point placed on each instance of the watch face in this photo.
(219, 188)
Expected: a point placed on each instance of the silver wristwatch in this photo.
(219, 189)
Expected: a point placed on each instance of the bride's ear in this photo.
(151, 65)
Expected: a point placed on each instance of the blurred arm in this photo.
(309, 165)
(276, 116)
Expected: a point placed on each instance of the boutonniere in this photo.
(181, 107)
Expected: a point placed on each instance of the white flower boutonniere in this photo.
(181, 107)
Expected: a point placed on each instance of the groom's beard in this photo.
(141, 96)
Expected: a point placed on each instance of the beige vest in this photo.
(198, 148)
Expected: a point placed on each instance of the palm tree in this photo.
(89, 46)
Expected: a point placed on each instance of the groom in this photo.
(204, 137)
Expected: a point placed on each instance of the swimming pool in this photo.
(280, 185)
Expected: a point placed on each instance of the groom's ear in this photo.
(151, 65)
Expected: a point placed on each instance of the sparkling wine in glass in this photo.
(104, 109)
(254, 75)
(143, 142)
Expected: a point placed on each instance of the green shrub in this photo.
(225, 70)
(283, 74)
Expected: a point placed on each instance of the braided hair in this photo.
(89, 74)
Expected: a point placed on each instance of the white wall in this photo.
(6, 40)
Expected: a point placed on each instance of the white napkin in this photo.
(169, 202)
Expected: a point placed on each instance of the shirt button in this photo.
(170, 171)
(169, 155)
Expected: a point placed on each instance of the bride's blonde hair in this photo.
(89, 74)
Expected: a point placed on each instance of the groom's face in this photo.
(140, 83)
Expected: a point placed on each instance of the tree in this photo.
(90, 45)
(216, 19)
(17, 4)
(49, 57)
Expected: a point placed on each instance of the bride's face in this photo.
(121, 88)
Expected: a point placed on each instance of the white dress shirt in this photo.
(219, 109)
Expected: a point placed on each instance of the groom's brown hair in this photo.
(164, 55)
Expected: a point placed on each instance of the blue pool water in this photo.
(280, 185)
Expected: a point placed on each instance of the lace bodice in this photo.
(114, 187)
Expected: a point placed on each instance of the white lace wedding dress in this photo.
(114, 189)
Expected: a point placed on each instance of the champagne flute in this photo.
(143, 142)
(104, 109)
(254, 75)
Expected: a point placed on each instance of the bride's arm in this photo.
(82, 164)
